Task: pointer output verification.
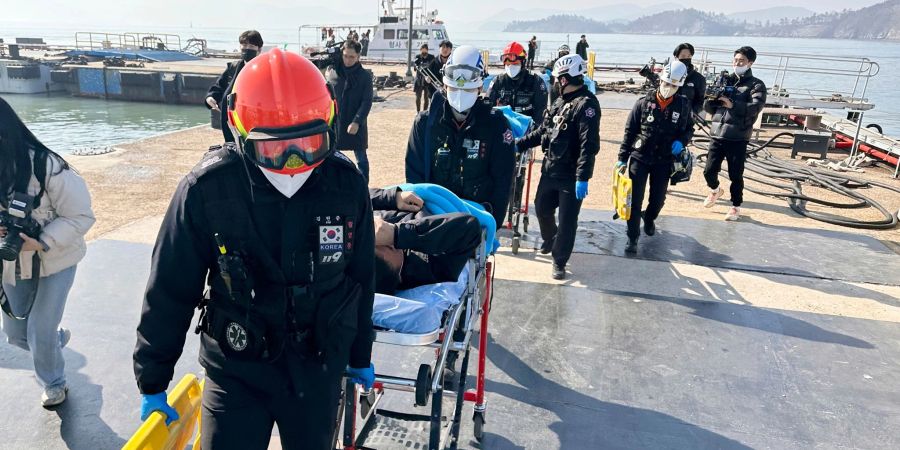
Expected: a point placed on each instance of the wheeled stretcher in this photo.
(445, 317)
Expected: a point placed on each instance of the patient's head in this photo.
(388, 262)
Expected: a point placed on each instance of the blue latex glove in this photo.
(677, 148)
(365, 376)
(157, 402)
(619, 164)
(581, 189)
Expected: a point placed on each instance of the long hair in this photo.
(16, 164)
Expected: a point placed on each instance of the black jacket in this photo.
(554, 88)
(581, 49)
(526, 94)
(353, 90)
(435, 248)
(282, 244)
(219, 92)
(571, 145)
(474, 161)
(420, 63)
(650, 131)
(437, 66)
(694, 89)
(736, 124)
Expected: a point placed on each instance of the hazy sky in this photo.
(287, 13)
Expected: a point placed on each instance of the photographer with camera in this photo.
(45, 211)
(734, 105)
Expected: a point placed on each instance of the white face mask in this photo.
(513, 70)
(667, 90)
(741, 70)
(288, 185)
(461, 100)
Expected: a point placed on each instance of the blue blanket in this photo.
(439, 200)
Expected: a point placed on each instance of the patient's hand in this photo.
(409, 201)
(384, 232)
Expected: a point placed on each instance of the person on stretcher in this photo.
(414, 248)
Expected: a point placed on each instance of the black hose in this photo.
(773, 172)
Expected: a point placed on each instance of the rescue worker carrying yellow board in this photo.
(656, 133)
(282, 228)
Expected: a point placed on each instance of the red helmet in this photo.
(281, 111)
(514, 52)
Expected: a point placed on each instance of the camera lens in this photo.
(10, 247)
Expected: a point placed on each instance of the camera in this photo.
(648, 72)
(17, 219)
(719, 88)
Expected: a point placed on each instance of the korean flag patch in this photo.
(331, 244)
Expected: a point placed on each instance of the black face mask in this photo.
(687, 62)
(248, 54)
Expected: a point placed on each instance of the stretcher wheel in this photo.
(515, 246)
(423, 385)
(478, 420)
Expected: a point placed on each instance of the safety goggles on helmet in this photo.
(290, 149)
(511, 58)
(462, 76)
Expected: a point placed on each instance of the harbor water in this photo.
(127, 121)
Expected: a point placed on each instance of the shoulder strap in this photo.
(214, 159)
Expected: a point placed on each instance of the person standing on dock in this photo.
(570, 138)
(281, 227)
(733, 114)
(251, 44)
(581, 47)
(548, 68)
(657, 131)
(694, 87)
(461, 143)
(518, 88)
(421, 85)
(532, 50)
(45, 211)
(352, 86)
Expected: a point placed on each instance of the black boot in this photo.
(631, 247)
(649, 228)
(547, 247)
(559, 272)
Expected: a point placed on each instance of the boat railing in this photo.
(157, 41)
(91, 40)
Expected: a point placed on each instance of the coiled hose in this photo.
(790, 179)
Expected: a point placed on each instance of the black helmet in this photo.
(681, 170)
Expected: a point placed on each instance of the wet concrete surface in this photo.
(627, 353)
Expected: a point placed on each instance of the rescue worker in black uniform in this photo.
(570, 139)
(733, 114)
(461, 143)
(658, 129)
(414, 249)
(421, 85)
(281, 228)
(548, 69)
(694, 87)
(251, 43)
(518, 88)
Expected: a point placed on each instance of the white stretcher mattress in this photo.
(418, 310)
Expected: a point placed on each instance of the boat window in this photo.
(439, 35)
(420, 34)
(402, 34)
(389, 34)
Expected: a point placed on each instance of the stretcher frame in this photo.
(517, 213)
(463, 320)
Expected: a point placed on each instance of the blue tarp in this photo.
(146, 55)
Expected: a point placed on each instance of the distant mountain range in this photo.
(880, 21)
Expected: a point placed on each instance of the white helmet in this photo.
(674, 73)
(571, 65)
(464, 68)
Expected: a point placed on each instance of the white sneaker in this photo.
(713, 197)
(65, 335)
(733, 214)
(54, 396)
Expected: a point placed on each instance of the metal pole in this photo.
(859, 120)
(409, 43)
